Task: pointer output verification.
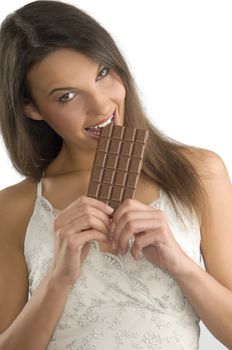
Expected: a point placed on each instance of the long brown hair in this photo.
(27, 36)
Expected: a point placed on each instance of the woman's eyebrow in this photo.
(69, 87)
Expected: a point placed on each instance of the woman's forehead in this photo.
(62, 67)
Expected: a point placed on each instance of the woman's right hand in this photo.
(84, 220)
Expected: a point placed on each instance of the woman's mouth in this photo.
(94, 131)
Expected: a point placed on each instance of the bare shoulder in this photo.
(16, 207)
(216, 225)
(207, 163)
(22, 187)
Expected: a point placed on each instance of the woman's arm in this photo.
(23, 325)
(210, 293)
(33, 327)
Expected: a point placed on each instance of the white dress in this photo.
(117, 302)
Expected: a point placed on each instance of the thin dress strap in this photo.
(40, 186)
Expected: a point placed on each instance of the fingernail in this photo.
(114, 246)
(109, 209)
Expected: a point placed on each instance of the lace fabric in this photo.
(117, 302)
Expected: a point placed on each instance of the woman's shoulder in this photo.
(16, 207)
(211, 171)
(18, 195)
(205, 161)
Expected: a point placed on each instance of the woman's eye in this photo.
(70, 95)
(67, 97)
(104, 69)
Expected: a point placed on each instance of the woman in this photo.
(92, 285)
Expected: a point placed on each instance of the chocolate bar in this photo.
(117, 164)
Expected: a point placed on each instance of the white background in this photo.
(180, 55)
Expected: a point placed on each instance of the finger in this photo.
(67, 216)
(84, 200)
(82, 224)
(129, 205)
(129, 217)
(89, 212)
(150, 238)
(91, 221)
(76, 242)
(138, 226)
(135, 226)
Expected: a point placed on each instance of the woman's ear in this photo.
(31, 111)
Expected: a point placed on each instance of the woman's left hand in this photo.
(151, 233)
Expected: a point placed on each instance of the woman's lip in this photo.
(91, 135)
(97, 136)
(115, 121)
(103, 121)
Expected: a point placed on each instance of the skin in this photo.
(153, 237)
(96, 94)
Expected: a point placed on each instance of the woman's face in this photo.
(71, 92)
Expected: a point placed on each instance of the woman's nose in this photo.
(98, 104)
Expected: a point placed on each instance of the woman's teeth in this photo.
(102, 125)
